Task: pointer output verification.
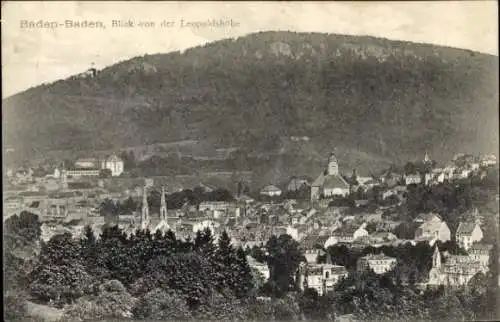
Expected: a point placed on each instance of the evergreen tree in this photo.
(244, 285)
(225, 258)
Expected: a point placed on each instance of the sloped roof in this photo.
(270, 188)
(380, 256)
(296, 183)
(314, 241)
(429, 227)
(465, 228)
(86, 160)
(114, 158)
(427, 217)
(334, 181)
(481, 247)
(319, 180)
(345, 231)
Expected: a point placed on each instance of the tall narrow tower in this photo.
(163, 207)
(145, 210)
(427, 158)
(436, 259)
(333, 166)
(63, 180)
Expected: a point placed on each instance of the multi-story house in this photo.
(348, 234)
(321, 277)
(379, 263)
(481, 253)
(412, 179)
(433, 230)
(262, 268)
(467, 234)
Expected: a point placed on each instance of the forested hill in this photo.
(380, 97)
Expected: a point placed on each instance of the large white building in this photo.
(93, 166)
(114, 164)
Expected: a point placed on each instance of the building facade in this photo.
(321, 277)
(379, 263)
(468, 234)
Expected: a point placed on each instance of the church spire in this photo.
(145, 210)
(328, 259)
(436, 258)
(163, 206)
(427, 158)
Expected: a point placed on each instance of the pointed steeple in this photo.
(436, 258)
(163, 206)
(427, 158)
(328, 259)
(145, 210)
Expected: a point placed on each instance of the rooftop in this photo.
(380, 256)
(465, 228)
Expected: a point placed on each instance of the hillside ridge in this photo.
(393, 99)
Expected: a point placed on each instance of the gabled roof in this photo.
(270, 188)
(380, 256)
(334, 181)
(465, 228)
(314, 242)
(86, 160)
(296, 183)
(423, 217)
(481, 247)
(319, 180)
(345, 231)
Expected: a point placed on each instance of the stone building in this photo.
(455, 270)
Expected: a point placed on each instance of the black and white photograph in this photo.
(250, 161)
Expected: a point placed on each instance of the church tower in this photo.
(436, 259)
(63, 180)
(427, 158)
(435, 274)
(333, 167)
(163, 206)
(145, 210)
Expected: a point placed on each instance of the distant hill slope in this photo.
(386, 98)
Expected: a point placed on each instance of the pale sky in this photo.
(34, 56)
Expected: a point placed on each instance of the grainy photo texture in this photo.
(252, 161)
